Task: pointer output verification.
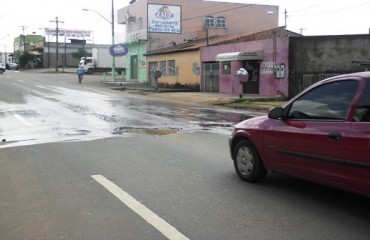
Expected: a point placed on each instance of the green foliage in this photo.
(177, 85)
(243, 101)
(24, 59)
(81, 53)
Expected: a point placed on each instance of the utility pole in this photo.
(111, 22)
(57, 21)
(113, 57)
(285, 16)
(24, 39)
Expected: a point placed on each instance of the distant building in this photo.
(158, 24)
(27, 43)
(212, 65)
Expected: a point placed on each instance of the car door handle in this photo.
(335, 136)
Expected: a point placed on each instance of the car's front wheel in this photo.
(247, 162)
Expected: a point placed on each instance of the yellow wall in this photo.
(186, 64)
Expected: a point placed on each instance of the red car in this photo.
(321, 135)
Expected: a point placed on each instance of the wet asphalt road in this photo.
(40, 108)
(86, 162)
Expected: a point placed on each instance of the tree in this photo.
(24, 59)
(81, 53)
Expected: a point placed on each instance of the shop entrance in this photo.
(253, 83)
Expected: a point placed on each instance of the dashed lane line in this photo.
(161, 225)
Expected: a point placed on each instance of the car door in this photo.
(358, 160)
(311, 141)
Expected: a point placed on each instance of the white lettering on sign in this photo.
(267, 68)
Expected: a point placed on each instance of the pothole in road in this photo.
(148, 131)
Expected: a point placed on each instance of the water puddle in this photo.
(147, 131)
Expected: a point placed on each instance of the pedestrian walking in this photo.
(80, 74)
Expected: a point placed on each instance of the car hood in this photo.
(253, 123)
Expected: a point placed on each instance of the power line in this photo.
(226, 10)
(321, 13)
(308, 7)
(345, 9)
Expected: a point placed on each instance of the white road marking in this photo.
(161, 225)
(21, 81)
(22, 119)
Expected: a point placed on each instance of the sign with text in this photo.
(164, 18)
(118, 50)
(68, 32)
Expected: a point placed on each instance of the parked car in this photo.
(12, 66)
(2, 68)
(321, 135)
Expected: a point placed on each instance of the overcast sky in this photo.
(313, 17)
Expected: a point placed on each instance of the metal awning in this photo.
(35, 53)
(240, 56)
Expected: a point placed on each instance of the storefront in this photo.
(232, 65)
(265, 62)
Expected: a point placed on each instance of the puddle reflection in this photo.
(65, 114)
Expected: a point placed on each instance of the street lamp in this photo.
(112, 24)
(6, 54)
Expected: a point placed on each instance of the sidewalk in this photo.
(252, 102)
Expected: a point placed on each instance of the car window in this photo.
(362, 113)
(330, 101)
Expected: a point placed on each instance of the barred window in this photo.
(221, 22)
(209, 22)
(171, 67)
(140, 23)
(162, 67)
(226, 68)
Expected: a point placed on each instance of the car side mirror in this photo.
(276, 113)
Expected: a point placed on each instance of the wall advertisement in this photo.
(164, 18)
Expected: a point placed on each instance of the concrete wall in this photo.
(316, 57)
(65, 52)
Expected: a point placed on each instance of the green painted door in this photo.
(134, 66)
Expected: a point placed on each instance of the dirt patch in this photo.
(217, 99)
(256, 106)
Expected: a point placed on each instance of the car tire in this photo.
(247, 162)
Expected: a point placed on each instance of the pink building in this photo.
(265, 60)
